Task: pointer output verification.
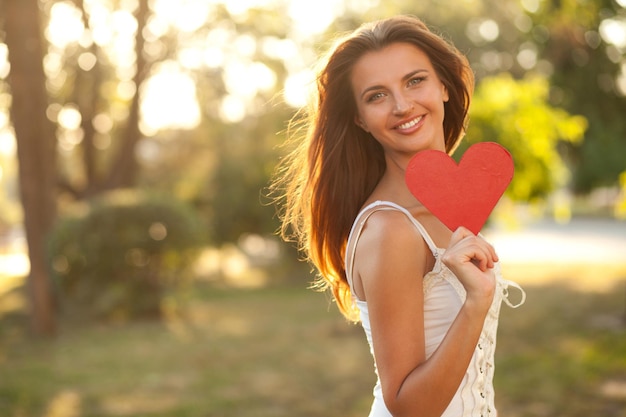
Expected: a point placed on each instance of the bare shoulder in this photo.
(390, 245)
(387, 226)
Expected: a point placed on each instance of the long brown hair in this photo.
(324, 182)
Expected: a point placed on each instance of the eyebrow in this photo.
(405, 78)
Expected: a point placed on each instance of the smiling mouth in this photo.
(410, 124)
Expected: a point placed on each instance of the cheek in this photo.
(373, 115)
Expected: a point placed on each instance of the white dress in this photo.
(443, 297)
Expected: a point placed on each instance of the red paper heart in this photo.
(463, 194)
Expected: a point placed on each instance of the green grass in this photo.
(267, 352)
(564, 353)
(284, 350)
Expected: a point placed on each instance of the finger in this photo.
(488, 255)
(482, 254)
(491, 249)
(480, 264)
(481, 257)
(459, 234)
(470, 250)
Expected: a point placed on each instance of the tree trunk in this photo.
(87, 96)
(36, 151)
(123, 172)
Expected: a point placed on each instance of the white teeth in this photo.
(410, 124)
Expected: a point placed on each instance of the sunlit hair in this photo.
(325, 181)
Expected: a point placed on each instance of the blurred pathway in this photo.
(594, 241)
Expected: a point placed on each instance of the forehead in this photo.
(393, 62)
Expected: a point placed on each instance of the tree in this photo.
(83, 89)
(518, 115)
(36, 150)
(586, 58)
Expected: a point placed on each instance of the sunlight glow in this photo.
(531, 6)
(13, 265)
(53, 66)
(169, 100)
(4, 61)
(523, 22)
(527, 56)
(86, 61)
(126, 89)
(613, 31)
(496, 61)
(313, 17)
(113, 31)
(298, 88)
(240, 7)
(245, 45)
(103, 123)
(191, 58)
(8, 144)
(68, 139)
(482, 30)
(169, 96)
(98, 22)
(184, 15)
(213, 57)
(123, 24)
(248, 79)
(4, 120)
(65, 25)
(489, 30)
(122, 47)
(69, 117)
(232, 109)
(283, 49)
(214, 54)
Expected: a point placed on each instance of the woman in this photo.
(428, 298)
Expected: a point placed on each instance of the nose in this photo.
(402, 105)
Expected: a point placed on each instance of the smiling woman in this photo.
(427, 297)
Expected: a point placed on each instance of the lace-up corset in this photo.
(443, 297)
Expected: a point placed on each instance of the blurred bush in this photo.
(124, 255)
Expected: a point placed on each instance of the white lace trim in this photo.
(477, 384)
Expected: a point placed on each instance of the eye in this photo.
(375, 97)
(416, 80)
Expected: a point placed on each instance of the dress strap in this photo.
(505, 293)
(359, 224)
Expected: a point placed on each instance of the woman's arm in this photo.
(391, 262)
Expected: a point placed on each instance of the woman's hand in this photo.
(471, 259)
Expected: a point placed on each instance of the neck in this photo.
(392, 187)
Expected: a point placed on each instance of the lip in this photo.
(417, 119)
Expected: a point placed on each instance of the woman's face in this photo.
(400, 100)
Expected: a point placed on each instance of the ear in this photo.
(444, 94)
(359, 123)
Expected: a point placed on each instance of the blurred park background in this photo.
(140, 274)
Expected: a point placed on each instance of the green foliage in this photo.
(516, 114)
(122, 257)
(620, 205)
(234, 194)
